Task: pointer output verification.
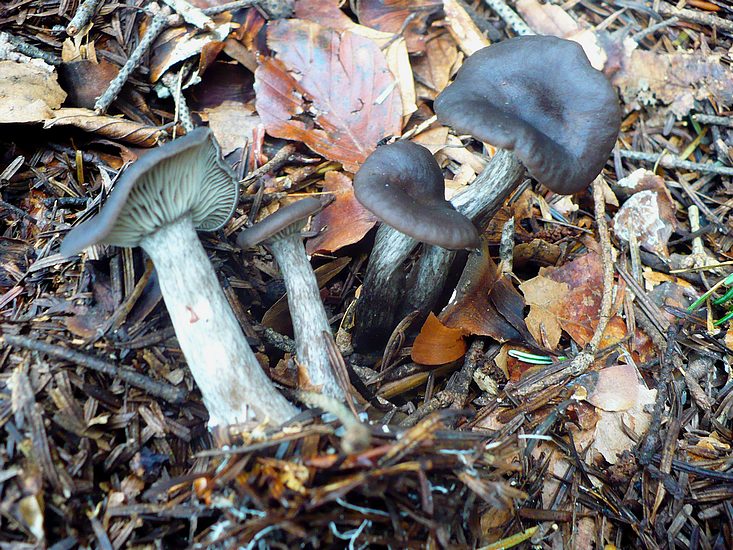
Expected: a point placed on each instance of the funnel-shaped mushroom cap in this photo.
(540, 97)
(403, 186)
(185, 177)
(284, 222)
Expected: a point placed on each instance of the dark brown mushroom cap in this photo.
(403, 186)
(540, 97)
(185, 177)
(286, 221)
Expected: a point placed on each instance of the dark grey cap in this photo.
(284, 222)
(540, 97)
(186, 176)
(403, 186)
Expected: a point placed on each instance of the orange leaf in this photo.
(332, 91)
(437, 344)
(343, 222)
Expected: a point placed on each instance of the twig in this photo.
(554, 374)
(713, 119)
(672, 162)
(454, 395)
(83, 15)
(509, 16)
(165, 391)
(357, 436)
(27, 49)
(175, 85)
(652, 439)
(158, 23)
(641, 35)
(275, 163)
(694, 16)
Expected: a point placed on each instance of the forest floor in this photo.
(525, 411)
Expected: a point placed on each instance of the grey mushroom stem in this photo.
(232, 383)
(307, 313)
(479, 202)
(383, 297)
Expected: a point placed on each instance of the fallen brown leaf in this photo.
(390, 15)
(108, 126)
(438, 344)
(343, 222)
(332, 91)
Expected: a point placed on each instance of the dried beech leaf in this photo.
(343, 222)
(28, 92)
(84, 81)
(435, 68)
(108, 126)
(390, 15)
(614, 388)
(650, 215)
(328, 14)
(332, 91)
(437, 344)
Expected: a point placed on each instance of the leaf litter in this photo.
(104, 435)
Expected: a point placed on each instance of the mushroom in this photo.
(402, 185)
(281, 233)
(539, 100)
(158, 204)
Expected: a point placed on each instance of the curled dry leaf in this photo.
(438, 344)
(28, 92)
(343, 222)
(330, 90)
(435, 68)
(84, 81)
(484, 303)
(465, 32)
(110, 127)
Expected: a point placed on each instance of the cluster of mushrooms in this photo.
(559, 123)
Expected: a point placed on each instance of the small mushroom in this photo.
(402, 185)
(281, 233)
(538, 99)
(158, 204)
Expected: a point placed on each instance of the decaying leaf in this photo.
(110, 127)
(390, 16)
(438, 344)
(570, 299)
(434, 69)
(84, 81)
(180, 43)
(332, 91)
(614, 388)
(483, 304)
(29, 92)
(343, 222)
(610, 436)
(329, 14)
(674, 79)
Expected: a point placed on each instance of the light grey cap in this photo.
(184, 177)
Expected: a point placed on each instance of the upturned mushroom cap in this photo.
(540, 97)
(186, 176)
(403, 186)
(287, 219)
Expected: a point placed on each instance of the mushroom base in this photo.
(382, 290)
(233, 385)
(310, 322)
(479, 202)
